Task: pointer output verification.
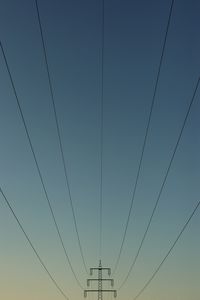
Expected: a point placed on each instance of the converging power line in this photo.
(36, 163)
(32, 246)
(163, 184)
(59, 134)
(145, 137)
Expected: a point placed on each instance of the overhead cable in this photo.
(101, 130)
(163, 184)
(168, 253)
(59, 133)
(32, 246)
(145, 137)
(36, 163)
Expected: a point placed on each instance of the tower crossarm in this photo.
(102, 279)
(102, 291)
(100, 268)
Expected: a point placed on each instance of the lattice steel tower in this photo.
(100, 280)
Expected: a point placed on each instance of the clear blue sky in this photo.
(134, 32)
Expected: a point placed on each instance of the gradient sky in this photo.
(134, 32)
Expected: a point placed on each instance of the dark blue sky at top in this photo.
(134, 33)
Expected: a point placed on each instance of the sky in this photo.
(133, 37)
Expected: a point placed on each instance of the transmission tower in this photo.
(100, 280)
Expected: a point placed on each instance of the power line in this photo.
(58, 132)
(168, 253)
(101, 133)
(33, 248)
(162, 186)
(37, 165)
(145, 137)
